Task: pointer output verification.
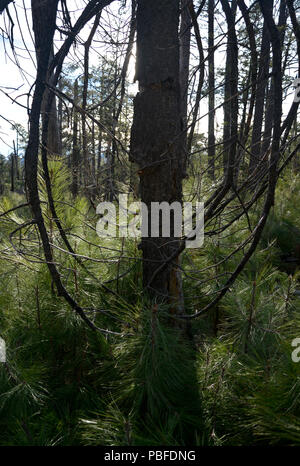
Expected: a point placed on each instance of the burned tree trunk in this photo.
(269, 112)
(12, 172)
(49, 113)
(44, 19)
(155, 141)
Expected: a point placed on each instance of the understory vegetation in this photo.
(232, 383)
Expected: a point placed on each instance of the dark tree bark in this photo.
(230, 132)
(93, 161)
(194, 17)
(16, 158)
(99, 156)
(4, 4)
(211, 90)
(246, 122)
(49, 111)
(117, 107)
(155, 140)
(269, 112)
(263, 75)
(184, 66)
(87, 45)
(76, 148)
(113, 145)
(12, 172)
(292, 115)
(47, 20)
(275, 40)
(53, 139)
(44, 19)
(60, 118)
(1, 177)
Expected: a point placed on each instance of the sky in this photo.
(21, 82)
(17, 81)
(14, 82)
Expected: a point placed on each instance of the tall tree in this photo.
(230, 129)
(12, 172)
(155, 143)
(263, 78)
(184, 64)
(211, 89)
(87, 45)
(49, 109)
(76, 147)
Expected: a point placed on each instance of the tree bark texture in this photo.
(156, 142)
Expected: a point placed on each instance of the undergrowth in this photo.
(232, 383)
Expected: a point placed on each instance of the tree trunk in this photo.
(211, 90)
(184, 66)
(230, 131)
(12, 173)
(264, 63)
(60, 118)
(85, 155)
(114, 148)
(269, 117)
(76, 147)
(156, 145)
(53, 139)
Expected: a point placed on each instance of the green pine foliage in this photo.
(232, 382)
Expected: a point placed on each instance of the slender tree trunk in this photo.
(100, 140)
(194, 17)
(155, 142)
(245, 129)
(16, 154)
(1, 176)
(87, 45)
(230, 131)
(184, 68)
(108, 190)
(93, 161)
(264, 63)
(99, 156)
(114, 148)
(269, 115)
(60, 119)
(76, 147)
(211, 90)
(53, 139)
(228, 95)
(4, 4)
(53, 146)
(12, 173)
